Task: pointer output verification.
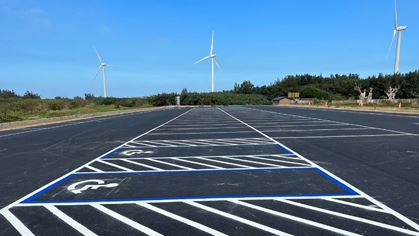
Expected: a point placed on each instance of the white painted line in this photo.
(350, 217)
(16, 203)
(239, 219)
(176, 143)
(139, 143)
(182, 219)
(281, 161)
(368, 197)
(216, 132)
(200, 170)
(126, 220)
(93, 168)
(240, 142)
(194, 143)
(170, 164)
(295, 218)
(114, 165)
(255, 162)
(312, 130)
(341, 136)
(156, 143)
(197, 163)
(224, 162)
(141, 164)
(181, 200)
(365, 126)
(70, 221)
(208, 145)
(223, 128)
(308, 125)
(356, 205)
(280, 124)
(288, 156)
(284, 155)
(69, 123)
(202, 124)
(16, 223)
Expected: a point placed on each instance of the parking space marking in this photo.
(126, 220)
(237, 218)
(197, 163)
(5, 209)
(212, 163)
(370, 208)
(17, 224)
(70, 221)
(365, 126)
(343, 136)
(295, 218)
(369, 198)
(114, 165)
(351, 217)
(216, 132)
(168, 163)
(182, 219)
(196, 142)
(142, 164)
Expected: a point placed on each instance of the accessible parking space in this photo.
(210, 171)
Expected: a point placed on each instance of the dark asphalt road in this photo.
(30, 160)
(386, 168)
(212, 153)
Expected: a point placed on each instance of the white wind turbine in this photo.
(102, 66)
(397, 30)
(211, 56)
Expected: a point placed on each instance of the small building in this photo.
(305, 101)
(282, 101)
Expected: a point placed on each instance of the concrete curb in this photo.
(62, 119)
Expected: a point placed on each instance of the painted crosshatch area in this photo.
(198, 174)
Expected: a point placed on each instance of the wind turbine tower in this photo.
(398, 29)
(102, 66)
(212, 56)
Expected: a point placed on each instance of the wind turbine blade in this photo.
(212, 43)
(391, 44)
(98, 55)
(396, 24)
(218, 65)
(203, 59)
(97, 72)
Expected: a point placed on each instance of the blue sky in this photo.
(47, 46)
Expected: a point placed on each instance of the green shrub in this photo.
(31, 95)
(77, 102)
(56, 105)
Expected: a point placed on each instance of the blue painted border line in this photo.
(284, 148)
(32, 198)
(29, 199)
(337, 182)
(190, 198)
(110, 153)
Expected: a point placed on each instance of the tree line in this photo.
(336, 87)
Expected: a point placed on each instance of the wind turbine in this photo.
(102, 66)
(212, 57)
(397, 30)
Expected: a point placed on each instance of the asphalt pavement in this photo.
(257, 170)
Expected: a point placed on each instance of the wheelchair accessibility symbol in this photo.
(92, 184)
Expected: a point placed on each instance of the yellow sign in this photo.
(293, 95)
